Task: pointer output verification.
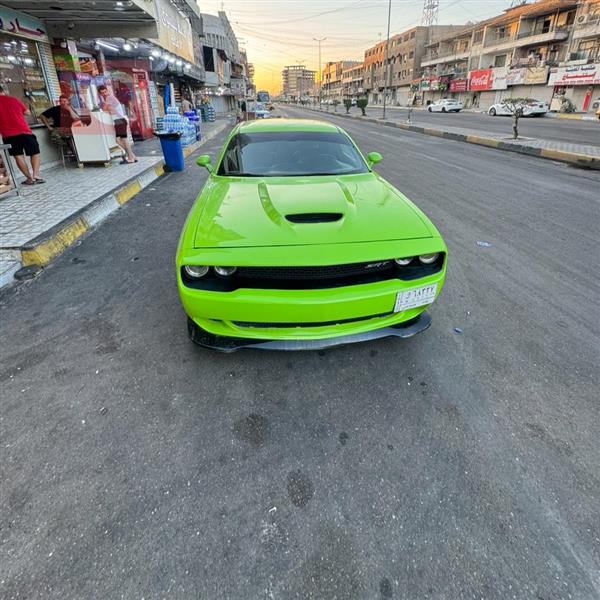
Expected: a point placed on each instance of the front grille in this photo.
(320, 273)
(313, 277)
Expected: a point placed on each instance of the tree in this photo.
(362, 104)
(347, 105)
(516, 106)
(335, 104)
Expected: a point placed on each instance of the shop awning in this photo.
(91, 18)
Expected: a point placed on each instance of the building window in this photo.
(412, 35)
(478, 37)
(500, 61)
(411, 54)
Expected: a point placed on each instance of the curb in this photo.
(573, 158)
(43, 249)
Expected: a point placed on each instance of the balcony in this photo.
(445, 57)
(495, 43)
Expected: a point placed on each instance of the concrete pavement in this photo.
(457, 464)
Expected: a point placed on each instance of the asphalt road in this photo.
(546, 128)
(462, 463)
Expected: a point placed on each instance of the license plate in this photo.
(415, 298)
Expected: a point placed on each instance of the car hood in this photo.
(252, 212)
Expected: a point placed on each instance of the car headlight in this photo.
(403, 261)
(428, 259)
(195, 272)
(225, 271)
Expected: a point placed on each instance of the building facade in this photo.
(404, 60)
(546, 50)
(297, 82)
(332, 79)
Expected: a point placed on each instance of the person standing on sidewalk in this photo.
(16, 132)
(110, 104)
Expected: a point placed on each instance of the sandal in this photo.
(39, 180)
(28, 182)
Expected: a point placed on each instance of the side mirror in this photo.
(204, 161)
(373, 158)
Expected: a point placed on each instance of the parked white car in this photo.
(535, 108)
(445, 105)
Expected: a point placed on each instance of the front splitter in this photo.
(231, 344)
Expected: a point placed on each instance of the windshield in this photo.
(293, 153)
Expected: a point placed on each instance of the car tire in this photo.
(492, 112)
(429, 109)
(444, 109)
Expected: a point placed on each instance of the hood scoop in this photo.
(314, 217)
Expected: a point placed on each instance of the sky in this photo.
(276, 33)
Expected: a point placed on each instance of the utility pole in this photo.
(385, 62)
(320, 77)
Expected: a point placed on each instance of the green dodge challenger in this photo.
(296, 243)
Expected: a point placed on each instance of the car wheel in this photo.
(429, 109)
(493, 112)
(443, 109)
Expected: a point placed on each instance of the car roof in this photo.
(277, 124)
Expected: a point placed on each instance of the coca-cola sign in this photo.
(482, 80)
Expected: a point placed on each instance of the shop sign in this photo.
(459, 85)
(434, 84)
(424, 85)
(488, 79)
(89, 65)
(480, 81)
(22, 25)
(174, 31)
(578, 75)
(516, 76)
(536, 75)
(66, 62)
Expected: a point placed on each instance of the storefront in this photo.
(580, 84)
(27, 72)
(26, 68)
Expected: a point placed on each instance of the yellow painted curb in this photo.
(46, 251)
(435, 132)
(128, 192)
(573, 117)
(567, 156)
(160, 170)
(475, 139)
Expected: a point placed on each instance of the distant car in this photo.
(445, 105)
(535, 108)
(353, 103)
(262, 112)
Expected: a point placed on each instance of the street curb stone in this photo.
(573, 158)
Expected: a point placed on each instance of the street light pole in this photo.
(320, 79)
(387, 51)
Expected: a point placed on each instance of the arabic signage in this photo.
(21, 25)
(488, 79)
(527, 76)
(579, 75)
(459, 85)
(174, 31)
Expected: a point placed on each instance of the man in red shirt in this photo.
(16, 132)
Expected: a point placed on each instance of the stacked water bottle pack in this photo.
(173, 122)
(209, 113)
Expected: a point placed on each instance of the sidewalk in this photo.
(45, 219)
(581, 155)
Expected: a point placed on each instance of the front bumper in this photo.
(404, 329)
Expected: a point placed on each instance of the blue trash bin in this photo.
(172, 150)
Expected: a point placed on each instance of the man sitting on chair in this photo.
(63, 117)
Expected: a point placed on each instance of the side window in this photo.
(230, 162)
